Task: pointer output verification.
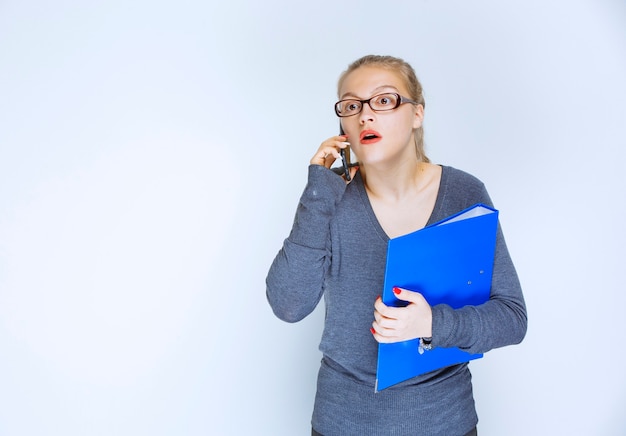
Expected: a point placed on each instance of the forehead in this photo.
(368, 80)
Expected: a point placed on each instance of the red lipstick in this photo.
(369, 136)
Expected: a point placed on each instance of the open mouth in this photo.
(368, 136)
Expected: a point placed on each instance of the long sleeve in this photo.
(501, 321)
(295, 282)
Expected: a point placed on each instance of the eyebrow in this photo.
(374, 91)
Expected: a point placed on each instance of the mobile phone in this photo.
(345, 157)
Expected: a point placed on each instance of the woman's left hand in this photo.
(396, 324)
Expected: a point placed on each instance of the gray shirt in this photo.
(337, 249)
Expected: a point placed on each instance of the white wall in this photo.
(151, 158)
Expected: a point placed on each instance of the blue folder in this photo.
(449, 262)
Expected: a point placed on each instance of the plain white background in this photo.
(151, 159)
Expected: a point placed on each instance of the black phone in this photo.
(345, 157)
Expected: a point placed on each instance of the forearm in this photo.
(295, 281)
(296, 277)
(500, 321)
(478, 329)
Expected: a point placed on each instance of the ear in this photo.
(419, 116)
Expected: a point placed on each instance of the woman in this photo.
(337, 248)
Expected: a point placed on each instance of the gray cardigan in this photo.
(337, 249)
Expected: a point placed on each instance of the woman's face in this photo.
(385, 135)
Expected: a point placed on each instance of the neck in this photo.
(394, 182)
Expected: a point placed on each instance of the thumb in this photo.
(406, 295)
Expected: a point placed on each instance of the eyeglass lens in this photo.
(381, 102)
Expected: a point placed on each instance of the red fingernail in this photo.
(372, 330)
(397, 291)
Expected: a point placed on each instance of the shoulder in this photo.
(462, 188)
(456, 176)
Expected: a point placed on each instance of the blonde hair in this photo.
(413, 85)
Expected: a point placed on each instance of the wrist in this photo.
(426, 344)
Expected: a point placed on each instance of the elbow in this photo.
(290, 316)
(514, 320)
(518, 325)
(287, 311)
(522, 328)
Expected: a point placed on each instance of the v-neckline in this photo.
(372, 216)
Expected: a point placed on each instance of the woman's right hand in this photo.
(329, 151)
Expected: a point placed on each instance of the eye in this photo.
(350, 106)
(385, 101)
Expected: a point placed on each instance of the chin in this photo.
(370, 159)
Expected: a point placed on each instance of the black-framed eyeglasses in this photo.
(379, 103)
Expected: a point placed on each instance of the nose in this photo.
(367, 114)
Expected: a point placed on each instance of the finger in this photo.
(325, 156)
(406, 295)
(375, 334)
(386, 339)
(385, 311)
(383, 335)
(336, 142)
(329, 151)
(379, 330)
(386, 326)
(383, 321)
(341, 138)
(379, 306)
